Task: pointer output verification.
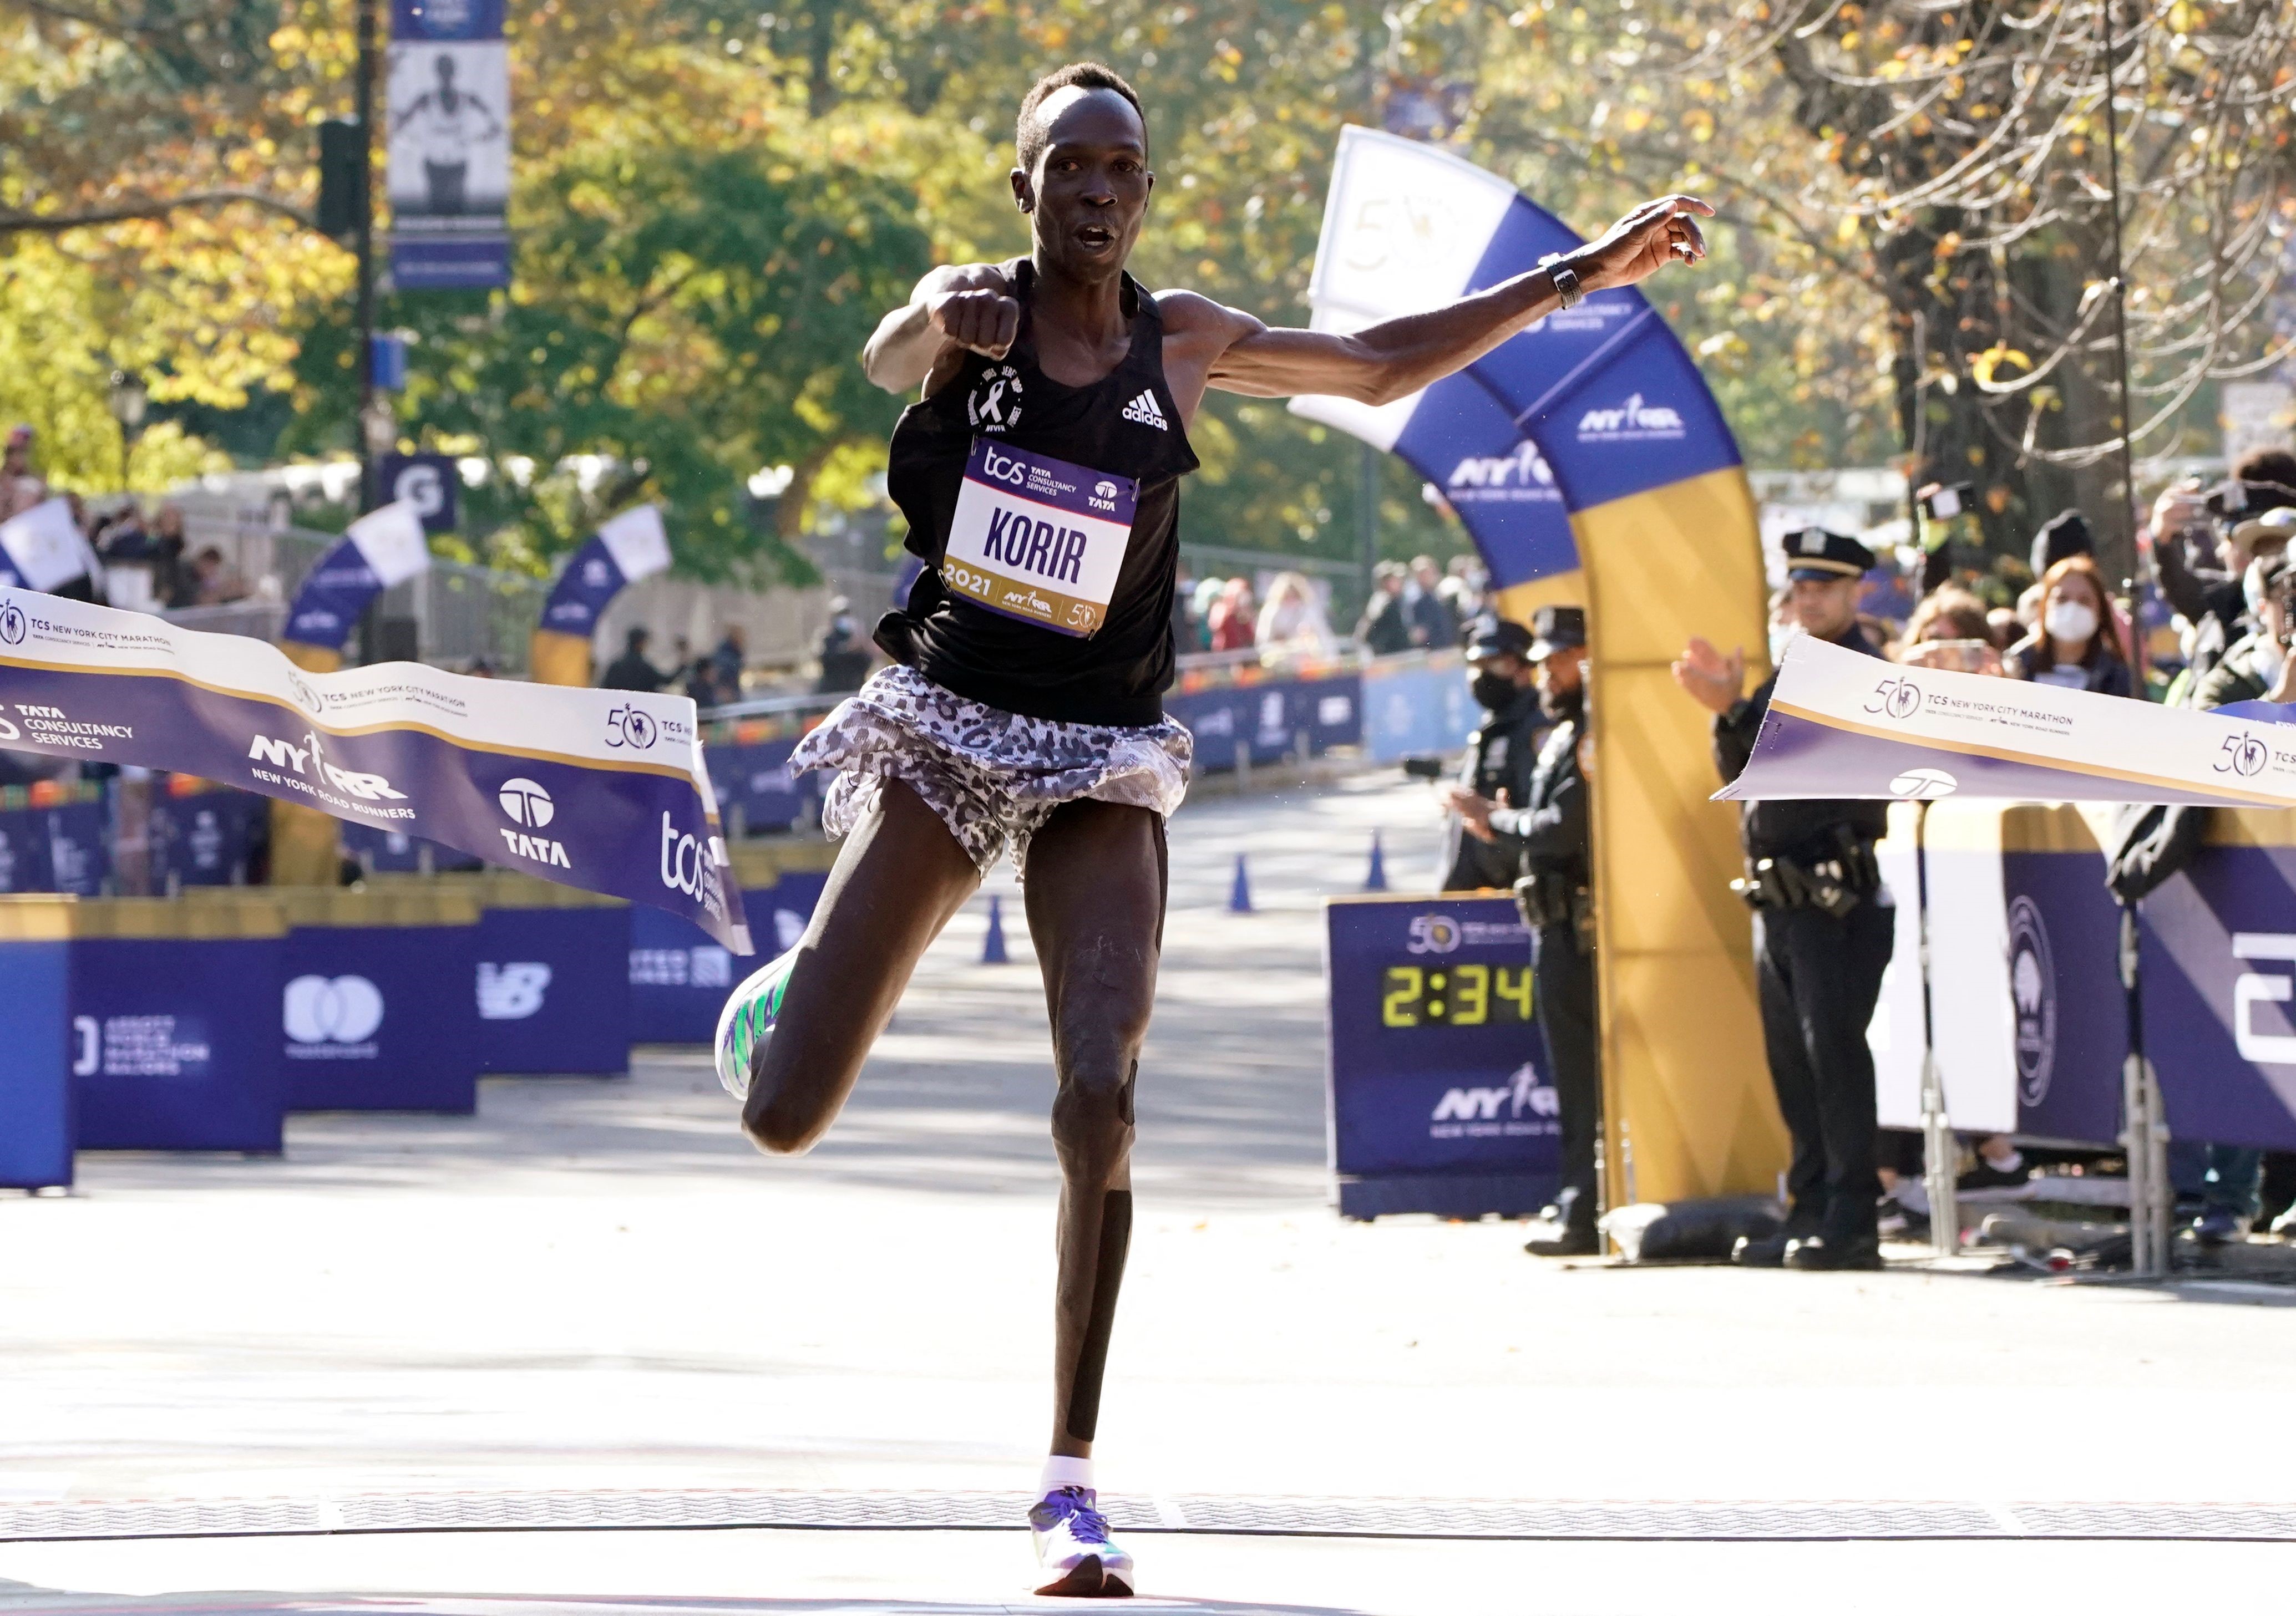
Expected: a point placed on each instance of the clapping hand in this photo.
(1714, 682)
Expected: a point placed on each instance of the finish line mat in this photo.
(1304, 1517)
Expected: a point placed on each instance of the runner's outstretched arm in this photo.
(1398, 357)
(958, 307)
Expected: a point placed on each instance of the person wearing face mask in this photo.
(2073, 648)
(1547, 837)
(1822, 933)
(1500, 755)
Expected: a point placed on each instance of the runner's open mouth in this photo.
(1096, 236)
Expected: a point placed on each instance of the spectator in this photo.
(1233, 615)
(845, 654)
(172, 579)
(1183, 617)
(2073, 648)
(1461, 602)
(215, 582)
(2257, 668)
(1948, 614)
(1385, 626)
(631, 671)
(732, 654)
(1471, 596)
(20, 487)
(1432, 626)
(2065, 534)
(1207, 596)
(1292, 623)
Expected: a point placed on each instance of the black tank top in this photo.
(1125, 424)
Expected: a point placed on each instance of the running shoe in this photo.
(1073, 1544)
(747, 1020)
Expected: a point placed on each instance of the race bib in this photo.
(1038, 538)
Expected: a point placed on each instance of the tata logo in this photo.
(1105, 489)
(626, 726)
(682, 859)
(1526, 468)
(1433, 935)
(1924, 785)
(994, 404)
(2033, 991)
(1524, 1093)
(1900, 698)
(524, 802)
(310, 762)
(1004, 468)
(1631, 421)
(333, 1015)
(513, 992)
(12, 624)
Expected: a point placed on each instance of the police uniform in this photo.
(1499, 761)
(1823, 937)
(1547, 839)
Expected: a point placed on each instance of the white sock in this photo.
(1061, 1472)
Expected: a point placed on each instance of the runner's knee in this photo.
(1092, 1114)
(780, 1127)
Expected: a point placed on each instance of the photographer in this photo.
(2072, 648)
(1500, 755)
(1547, 839)
(2220, 526)
(1823, 935)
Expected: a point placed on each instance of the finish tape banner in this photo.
(1842, 724)
(600, 789)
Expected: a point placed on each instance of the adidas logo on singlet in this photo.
(1144, 409)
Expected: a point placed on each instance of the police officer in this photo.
(1501, 754)
(1546, 838)
(1822, 935)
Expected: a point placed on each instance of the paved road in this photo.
(597, 1285)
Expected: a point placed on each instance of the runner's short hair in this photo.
(1028, 131)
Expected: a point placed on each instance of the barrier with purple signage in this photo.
(1439, 1099)
(377, 1012)
(679, 977)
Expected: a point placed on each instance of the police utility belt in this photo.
(1833, 884)
(1556, 897)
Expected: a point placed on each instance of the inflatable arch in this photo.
(1589, 462)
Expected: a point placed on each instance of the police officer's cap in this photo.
(1816, 555)
(1558, 628)
(1498, 637)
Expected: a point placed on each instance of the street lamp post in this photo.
(128, 398)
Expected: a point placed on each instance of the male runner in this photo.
(1039, 472)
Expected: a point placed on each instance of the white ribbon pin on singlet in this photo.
(1039, 539)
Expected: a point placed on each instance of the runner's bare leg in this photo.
(1095, 901)
(898, 878)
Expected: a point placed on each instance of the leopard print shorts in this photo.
(993, 777)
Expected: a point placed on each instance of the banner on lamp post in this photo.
(449, 96)
(632, 546)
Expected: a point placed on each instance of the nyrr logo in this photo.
(526, 803)
(12, 624)
(511, 992)
(626, 726)
(309, 760)
(327, 1017)
(1524, 1094)
(1631, 422)
(1433, 935)
(1526, 468)
(2033, 990)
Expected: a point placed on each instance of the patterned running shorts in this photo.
(993, 777)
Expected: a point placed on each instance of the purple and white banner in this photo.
(43, 548)
(384, 547)
(600, 789)
(624, 550)
(1845, 725)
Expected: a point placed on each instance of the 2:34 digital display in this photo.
(1454, 995)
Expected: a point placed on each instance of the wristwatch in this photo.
(1566, 284)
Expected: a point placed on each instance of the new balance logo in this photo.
(1144, 409)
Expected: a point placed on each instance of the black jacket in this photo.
(1385, 626)
(1796, 828)
(1498, 765)
(1549, 833)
